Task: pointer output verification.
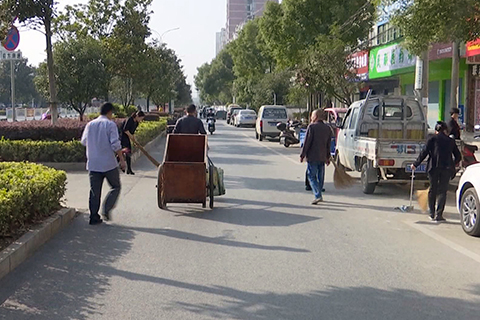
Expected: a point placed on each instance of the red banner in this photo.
(360, 64)
(473, 48)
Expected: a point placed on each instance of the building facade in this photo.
(240, 11)
(221, 40)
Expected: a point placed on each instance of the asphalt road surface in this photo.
(263, 253)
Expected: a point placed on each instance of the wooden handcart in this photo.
(182, 178)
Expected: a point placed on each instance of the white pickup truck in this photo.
(381, 137)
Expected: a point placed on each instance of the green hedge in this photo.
(28, 192)
(73, 151)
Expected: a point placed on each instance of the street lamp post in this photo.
(168, 31)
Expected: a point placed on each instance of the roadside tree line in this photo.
(103, 51)
(299, 52)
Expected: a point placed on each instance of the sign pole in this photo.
(12, 80)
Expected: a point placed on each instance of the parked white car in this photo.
(245, 118)
(268, 118)
(468, 203)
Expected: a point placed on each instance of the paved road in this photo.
(263, 253)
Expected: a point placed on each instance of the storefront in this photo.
(473, 61)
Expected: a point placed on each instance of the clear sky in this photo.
(194, 42)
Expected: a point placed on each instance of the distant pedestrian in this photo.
(129, 127)
(443, 156)
(190, 124)
(102, 141)
(453, 126)
(316, 150)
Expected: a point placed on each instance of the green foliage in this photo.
(25, 89)
(28, 192)
(41, 151)
(80, 72)
(428, 22)
(215, 80)
(70, 151)
(149, 130)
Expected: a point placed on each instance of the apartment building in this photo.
(240, 11)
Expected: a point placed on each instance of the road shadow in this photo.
(265, 184)
(60, 281)
(221, 241)
(250, 217)
(359, 303)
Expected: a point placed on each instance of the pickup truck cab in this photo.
(381, 137)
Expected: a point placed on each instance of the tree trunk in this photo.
(51, 70)
(148, 104)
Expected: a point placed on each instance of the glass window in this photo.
(353, 123)
(271, 113)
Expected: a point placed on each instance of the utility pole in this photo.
(12, 82)
(454, 99)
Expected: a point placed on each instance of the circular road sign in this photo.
(12, 40)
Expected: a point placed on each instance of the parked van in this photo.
(268, 118)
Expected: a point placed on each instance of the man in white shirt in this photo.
(102, 141)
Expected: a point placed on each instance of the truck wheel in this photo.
(368, 188)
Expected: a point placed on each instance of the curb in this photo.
(25, 247)
(148, 147)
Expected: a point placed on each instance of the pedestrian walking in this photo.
(190, 124)
(129, 127)
(443, 156)
(453, 126)
(101, 139)
(316, 150)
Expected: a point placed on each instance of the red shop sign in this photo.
(473, 48)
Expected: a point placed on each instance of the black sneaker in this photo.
(95, 222)
(440, 219)
(308, 188)
(107, 216)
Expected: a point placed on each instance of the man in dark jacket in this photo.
(316, 150)
(453, 126)
(190, 124)
(441, 151)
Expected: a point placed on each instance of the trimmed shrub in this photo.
(71, 151)
(28, 192)
(42, 151)
(65, 130)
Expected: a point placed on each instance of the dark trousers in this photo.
(96, 183)
(439, 180)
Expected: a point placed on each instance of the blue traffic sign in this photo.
(12, 40)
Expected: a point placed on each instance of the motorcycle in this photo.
(211, 125)
(289, 134)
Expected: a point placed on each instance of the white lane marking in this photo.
(445, 241)
(273, 150)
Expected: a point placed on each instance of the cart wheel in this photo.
(160, 189)
(211, 186)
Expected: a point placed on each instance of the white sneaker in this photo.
(317, 201)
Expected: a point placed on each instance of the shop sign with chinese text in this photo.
(389, 60)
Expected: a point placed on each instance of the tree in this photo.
(315, 39)
(38, 14)
(126, 49)
(433, 21)
(25, 90)
(215, 80)
(80, 73)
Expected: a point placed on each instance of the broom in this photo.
(422, 199)
(341, 179)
